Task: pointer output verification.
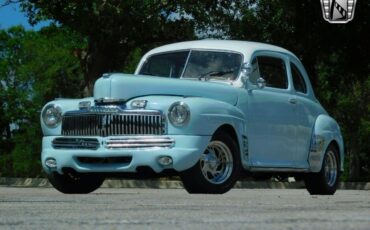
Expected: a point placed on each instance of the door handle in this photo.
(293, 101)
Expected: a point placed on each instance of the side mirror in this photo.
(246, 70)
(250, 81)
(261, 83)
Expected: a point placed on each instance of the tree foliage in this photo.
(35, 67)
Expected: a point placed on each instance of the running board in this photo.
(268, 169)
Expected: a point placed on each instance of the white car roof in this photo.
(245, 47)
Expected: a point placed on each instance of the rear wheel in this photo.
(73, 183)
(217, 169)
(326, 181)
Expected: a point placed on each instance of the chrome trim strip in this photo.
(111, 110)
(267, 169)
(186, 64)
(139, 142)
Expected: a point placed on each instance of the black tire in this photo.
(195, 181)
(75, 183)
(324, 183)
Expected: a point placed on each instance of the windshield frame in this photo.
(187, 60)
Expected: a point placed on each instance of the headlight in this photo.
(52, 115)
(179, 113)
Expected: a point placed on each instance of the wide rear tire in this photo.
(217, 170)
(75, 183)
(326, 181)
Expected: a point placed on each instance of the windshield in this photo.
(195, 64)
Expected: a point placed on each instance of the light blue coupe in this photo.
(207, 111)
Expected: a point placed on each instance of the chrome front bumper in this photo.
(68, 151)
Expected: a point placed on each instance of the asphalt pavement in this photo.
(108, 208)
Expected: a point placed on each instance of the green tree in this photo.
(35, 67)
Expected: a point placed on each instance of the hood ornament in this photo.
(104, 109)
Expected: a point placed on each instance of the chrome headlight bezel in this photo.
(179, 113)
(52, 115)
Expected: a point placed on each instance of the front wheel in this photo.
(217, 169)
(326, 181)
(73, 183)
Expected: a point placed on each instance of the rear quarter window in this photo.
(298, 80)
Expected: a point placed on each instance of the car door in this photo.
(271, 120)
(305, 111)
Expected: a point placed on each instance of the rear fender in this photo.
(325, 131)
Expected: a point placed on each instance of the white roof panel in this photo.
(245, 47)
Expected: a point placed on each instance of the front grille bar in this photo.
(75, 143)
(140, 142)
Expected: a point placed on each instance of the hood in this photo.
(128, 86)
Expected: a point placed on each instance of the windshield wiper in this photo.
(213, 74)
(147, 74)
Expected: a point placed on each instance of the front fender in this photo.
(206, 115)
(65, 105)
(325, 131)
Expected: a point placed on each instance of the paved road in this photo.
(45, 208)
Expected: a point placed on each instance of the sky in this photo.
(11, 15)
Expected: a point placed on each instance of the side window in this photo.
(298, 80)
(273, 70)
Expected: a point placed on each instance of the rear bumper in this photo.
(184, 150)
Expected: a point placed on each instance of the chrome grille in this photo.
(142, 122)
(75, 143)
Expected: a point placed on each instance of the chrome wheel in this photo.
(216, 162)
(218, 167)
(330, 169)
(325, 182)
